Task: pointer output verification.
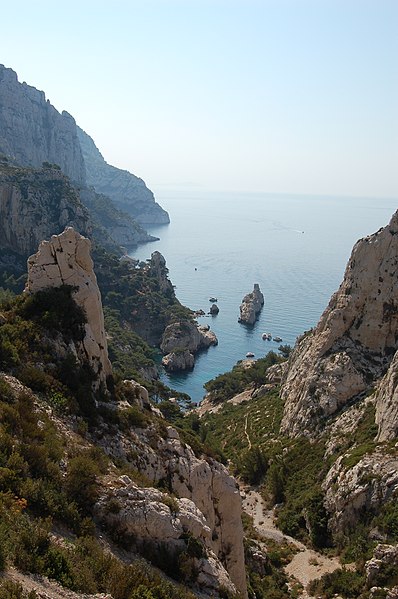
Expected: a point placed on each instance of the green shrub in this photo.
(81, 482)
(347, 583)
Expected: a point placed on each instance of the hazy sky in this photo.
(274, 95)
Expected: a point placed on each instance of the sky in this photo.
(277, 96)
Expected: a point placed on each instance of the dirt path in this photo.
(307, 564)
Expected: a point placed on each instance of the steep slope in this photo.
(53, 339)
(32, 131)
(354, 341)
(127, 191)
(35, 204)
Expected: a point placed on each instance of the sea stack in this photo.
(251, 306)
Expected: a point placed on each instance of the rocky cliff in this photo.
(34, 204)
(353, 343)
(65, 260)
(128, 192)
(32, 131)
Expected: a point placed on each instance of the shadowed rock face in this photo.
(354, 341)
(34, 204)
(65, 260)
(129, 192)
(32, 131)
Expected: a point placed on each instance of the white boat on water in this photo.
(266, 336)
(249, 354)
(278, 339)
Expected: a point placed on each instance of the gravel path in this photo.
(307, 564)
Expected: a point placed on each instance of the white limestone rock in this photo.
(66, 260)
(387, 403)
(354, 340)
(251, 306)
(181, 341)
(147, 515)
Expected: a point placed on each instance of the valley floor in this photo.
(307, 564)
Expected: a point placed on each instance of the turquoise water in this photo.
(295, 247)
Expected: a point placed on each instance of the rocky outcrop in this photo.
(129, 192)
(387, 403)
(160, 271)
(181, 341)
(178, 360)
(205, 482)
(32, 131)
(354, 341)
(65, 260)
(384, 556)
(251, 306)
(363, 488)
(156, 521)
(35, 204)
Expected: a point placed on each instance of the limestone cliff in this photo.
(65, 260)
(128, 192)
(354, 341)
(32, 131)
(205, 482)
(34, 204)
(387, 403)
(251, 306)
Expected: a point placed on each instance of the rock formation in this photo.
(32, 131)
(354, 341)
(160, 271)
(65, 260)
(205, 482)
(251, 306)
(153, 519)
(34, 204)
(181, 341)
(387, 403)
(128, 192)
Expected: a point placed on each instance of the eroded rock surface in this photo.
(251, 306)
(204, 482)
(35, 204)
(354, 341)
(32, 131)
(65, 260)
(181, 341)
(387, 403)
(153, 518)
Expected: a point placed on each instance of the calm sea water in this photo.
(295, 247)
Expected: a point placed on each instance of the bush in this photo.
(349, 584)
(81, 482)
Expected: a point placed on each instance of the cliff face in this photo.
(34, 204)
(65, 260)
(205, 482)
(32, 131)
(354, 341)
(129, 192)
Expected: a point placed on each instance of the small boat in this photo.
(213, 299)
(266, 336)
(249, 354)
(278, 339)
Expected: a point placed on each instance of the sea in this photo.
(218, 244)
